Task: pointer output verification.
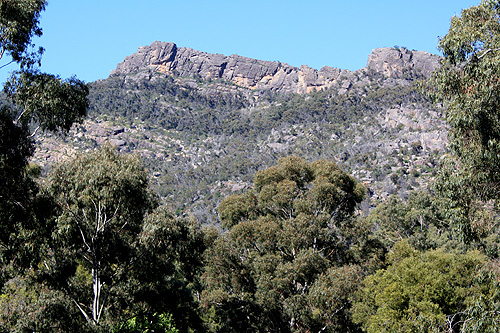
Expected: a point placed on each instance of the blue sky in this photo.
(89, 38)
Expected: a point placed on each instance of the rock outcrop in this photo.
(270, 75)
(402, 63)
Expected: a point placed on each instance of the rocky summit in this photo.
(270, 75)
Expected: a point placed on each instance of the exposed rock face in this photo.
(275, 76)
(398, 63)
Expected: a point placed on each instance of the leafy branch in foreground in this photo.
(468, 83)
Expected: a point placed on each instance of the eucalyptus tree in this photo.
(116, 255)
(290, 256)
(19, 23)
(102, 198)
(38, 99)
(431, 291)
(35, 100)
(469, 86)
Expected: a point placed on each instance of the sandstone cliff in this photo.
(271, 75)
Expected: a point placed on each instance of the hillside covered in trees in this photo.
(196, 192)
(203, 138)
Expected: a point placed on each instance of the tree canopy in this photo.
(102, 199)
(468, 84)
(36, 100)
(289, 259)
(19, 23)
(421, 292)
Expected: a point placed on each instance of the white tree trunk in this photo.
(97, 285)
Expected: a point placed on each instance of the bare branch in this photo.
(7, 64)
(20, 116)
(89, 249)
(80, 308)
(78, 305)
(487, 51)
(106, 294)
(35, 131)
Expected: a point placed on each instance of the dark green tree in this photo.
(19, 23)
(118, 260)
(166, 282)
(16, 187)
(107, 260)
(37, 100)
(418, 219)
(290, 256)
(27, 305)
(45, 101)
(468, 83)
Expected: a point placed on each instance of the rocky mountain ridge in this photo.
(271, 75)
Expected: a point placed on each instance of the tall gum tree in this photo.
(289, 258)
(102, 199)
(468, 83)
(36, 101)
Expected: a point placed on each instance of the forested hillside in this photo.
(196, 192)
(204, 138)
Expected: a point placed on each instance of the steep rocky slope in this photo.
(206, 123)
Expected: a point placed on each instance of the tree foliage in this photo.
(289, 241)
(431, 291)
(16, 187)
(468, 84)
(19, 23)
(27, 305)
(418, 219)
(102, 199)
(167, 279)
(47, 101)
(37, 100)
(107, 260)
